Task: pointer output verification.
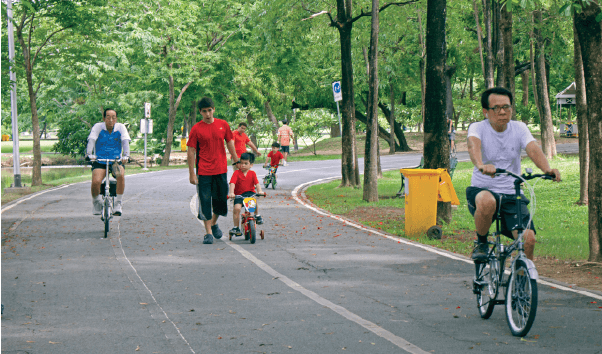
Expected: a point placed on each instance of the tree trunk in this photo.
(436, 150)
(272, 118)
(581, 107)
(36, 176)
(589, 32)
(173, 109)
(170, 123)
(403, 143)
(421, 63)
(508, 71)
(349, 164)
(479, 37)
(335, 131)
(498, 44)
(392, 117)
(524, 76)
(192, 115)
(371, 155)
(449, 101)
(489, 67)
(548, 144)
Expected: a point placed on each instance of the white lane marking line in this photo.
(295, 193)
(379, 331)
(133, 281)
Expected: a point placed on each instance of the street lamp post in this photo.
(13, 95)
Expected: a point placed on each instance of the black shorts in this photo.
(102, 166)
(506, 206)
(213, 196)
(239, 200)
(284, 148)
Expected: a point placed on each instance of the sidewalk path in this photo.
(314, 285)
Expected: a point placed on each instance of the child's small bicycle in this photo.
(270, 177)
(248, 218)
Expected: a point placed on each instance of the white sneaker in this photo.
(284, 163)
(96, 207)
(117, 209)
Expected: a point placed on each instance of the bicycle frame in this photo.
(107, 200)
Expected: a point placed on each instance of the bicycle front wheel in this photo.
(252, 230)
(106, 213)
(273, 182)
(266, 182)
(487, 286)
(521, 300)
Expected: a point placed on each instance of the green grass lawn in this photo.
(27, 146)
(562, 226)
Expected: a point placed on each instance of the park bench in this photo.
(453, 162)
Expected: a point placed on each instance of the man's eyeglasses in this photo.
(498, 109)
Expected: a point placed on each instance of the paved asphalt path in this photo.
(314, 285)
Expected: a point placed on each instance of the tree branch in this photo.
(37, 88)
(363, 14)
(46, 41)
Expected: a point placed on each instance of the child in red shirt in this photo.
(243, 184)
(274, 156)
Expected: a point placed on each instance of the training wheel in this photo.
(434, 232)
(261, 234)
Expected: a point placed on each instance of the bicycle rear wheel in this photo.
(488, 287)
(252, 231)
(521, 300)
(266, 181)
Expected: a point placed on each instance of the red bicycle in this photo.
(248, 218)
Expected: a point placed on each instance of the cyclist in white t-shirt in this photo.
(497, 142)
(108, 140)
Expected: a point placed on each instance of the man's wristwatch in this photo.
(235, 163)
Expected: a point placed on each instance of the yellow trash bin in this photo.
(5, 137)
(423, 188)
(183, 144)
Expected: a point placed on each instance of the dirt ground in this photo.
(575, 273)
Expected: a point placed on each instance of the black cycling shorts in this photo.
(506, 205)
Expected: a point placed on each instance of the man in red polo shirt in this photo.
(206, 148)
(241, 140)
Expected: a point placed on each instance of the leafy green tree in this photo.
(43, 28)
(310, 125)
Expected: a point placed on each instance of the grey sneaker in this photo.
(258, 220)
(117, 209)
(217, 233)
(235, 231)
(96, 207)
(480, 252)
(208, 239)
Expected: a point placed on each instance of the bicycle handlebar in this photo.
(524, 176)
(254, 195)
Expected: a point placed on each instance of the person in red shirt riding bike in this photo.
(274, 157)
(244, 183)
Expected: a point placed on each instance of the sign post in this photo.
(13, 95)
(338, 96)
(145, 128)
